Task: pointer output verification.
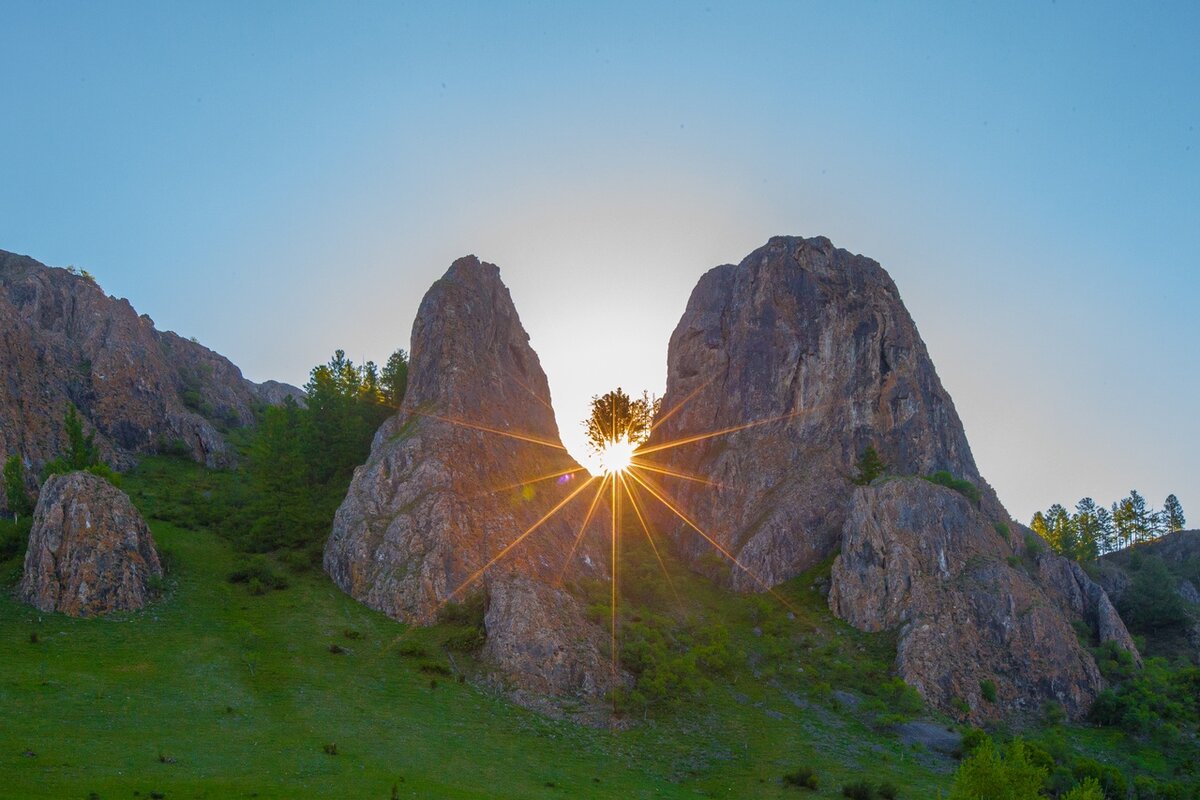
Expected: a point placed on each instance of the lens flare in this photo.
(616, 456)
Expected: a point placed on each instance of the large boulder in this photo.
(971, 605)
(813, 345)
(90, 552)
(468, 488)
(64, 342)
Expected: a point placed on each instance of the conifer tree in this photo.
(18, 500)
(1173, 514)
(869, 467)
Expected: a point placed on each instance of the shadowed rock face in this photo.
(63, 341)
(819, 340)
(450, 483)
(814, 346)
(923, 560)
(90, 552)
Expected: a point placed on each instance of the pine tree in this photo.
(1107, 531)
(1087, 530)
(394, 377)
(1142, 517)
(869, 467)
(1173, 514)
(18, 500)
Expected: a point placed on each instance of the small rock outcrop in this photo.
(470, 463)
(90, 552)
(63, 341)
(969, 605)
(814, 346)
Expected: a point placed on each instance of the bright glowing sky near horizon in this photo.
(280, 180)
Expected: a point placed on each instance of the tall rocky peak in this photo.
(451, 484)
(818, 340)
(64, 341)
(811, 348)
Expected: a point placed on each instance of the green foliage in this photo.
(868, 467)
(801, 778)
(987, 689)
(1088, 790)
(888, 791)
(15, 493)
(996, 774)
(1003, 530)
(301, 461)
(260, 576)
(14, 534)
(1151, 603)
(858, 790)
(960, 485)
(393, 379)
(81, 450)
(1033, 545)
(1158, 700)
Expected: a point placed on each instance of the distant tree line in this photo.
(1093, 530)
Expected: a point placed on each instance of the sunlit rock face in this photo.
(445, 491)
(64, 341)
(969, 603)
(90, 552)
(817, 339)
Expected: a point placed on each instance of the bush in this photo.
(987, 688)
(963, 487)
(1003, 529)
(14, 537)
(803, 778)
(1088, 790)
(859, 790)
(260, 576)
(998, 775)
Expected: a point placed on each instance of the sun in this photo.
(616, 456)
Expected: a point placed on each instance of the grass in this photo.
(213, 691)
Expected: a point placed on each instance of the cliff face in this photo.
(90, 552)
(800, 357)
(63, 341)
(454, 480)
(818, 340)
(970, 604)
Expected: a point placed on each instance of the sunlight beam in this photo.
(517, 541)
(497, 431)
(646, 528)
(702, 436)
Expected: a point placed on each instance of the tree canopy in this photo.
(616, 415)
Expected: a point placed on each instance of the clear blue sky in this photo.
(282, 179)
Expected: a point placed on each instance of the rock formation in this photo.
(922, 559)
(814, 345)
(90, 552)
(63, 341)
(801, 356)
(452, 484)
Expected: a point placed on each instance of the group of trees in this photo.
(81, 454)
(302, 457)
(1093, 530)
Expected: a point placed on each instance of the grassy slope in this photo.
(240, 694)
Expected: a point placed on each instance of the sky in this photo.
(283, 179)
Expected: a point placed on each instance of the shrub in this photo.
(802, 778)
(1033, 545)
(260, 576)
(1088, 790)
(411, 649)
(987, 688)
(972, 739)
(859, 790)
(330, 749)
(960, 485)
(960, 705)
(888, 791)
(434, 669)
(1003, 529)
(998, 775)
(1013, 561)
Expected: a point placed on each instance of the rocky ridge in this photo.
(90, 552)
(140, 390)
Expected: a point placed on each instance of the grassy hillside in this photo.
(217, 691)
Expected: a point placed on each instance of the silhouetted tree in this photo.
(616, 415)
(1173, 514)
(394, 378)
